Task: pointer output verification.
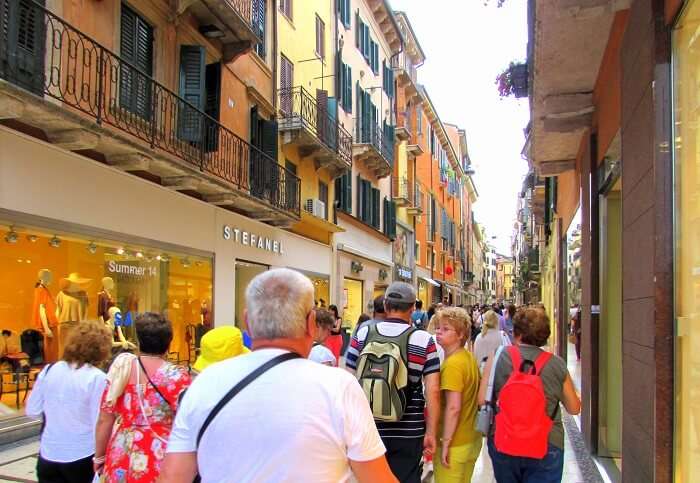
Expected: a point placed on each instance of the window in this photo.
(419, 119)
(343, 192)
(259, 8)
(320, 38)
(388, 81)
(364, 42)
(136, 46)
(286, 84)
(344, 12)
(374, 56)
(416, 252)
(323, 196)
(389, 218)
(263, 136)
(368, 198)
(345, 85)
(286, 8)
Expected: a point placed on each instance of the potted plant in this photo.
(513, 81)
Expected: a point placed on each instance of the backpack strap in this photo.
(401, 340)
(542, 361)
(515, 357)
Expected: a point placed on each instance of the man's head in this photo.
(379, 312)
(400, 300)
(419, 304)
(325, 322)
(279, 305)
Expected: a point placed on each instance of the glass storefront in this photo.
(50, 282)
(686, 89)
(245, 272)
(352, 302)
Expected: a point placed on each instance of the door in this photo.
(22, 44)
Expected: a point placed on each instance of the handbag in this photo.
(572, 338)
(484, 417)
(287, 356)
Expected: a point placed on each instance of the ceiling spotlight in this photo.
(120, 251)
(92, 248)
(139, 255)
(185, 262)
(198, 263)
(11, 236)
(55, 242)
(32, 238)
(148, 257)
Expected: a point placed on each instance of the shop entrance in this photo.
(245, 272)
(610, 327)
(352, 301)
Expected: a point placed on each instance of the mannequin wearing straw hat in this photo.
(44, 314)
(71, 305)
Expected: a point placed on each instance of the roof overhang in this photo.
(384, 15)
(413, 48)
(567, 43)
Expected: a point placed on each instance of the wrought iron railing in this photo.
(298, 107)
(418, 197)
(243, 8)
(61, 62)
(368, 133)
(401, 187)
(403, 62)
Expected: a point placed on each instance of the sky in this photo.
(467, 43)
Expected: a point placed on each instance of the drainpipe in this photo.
(274, 58)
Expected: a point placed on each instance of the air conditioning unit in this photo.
(316, 207)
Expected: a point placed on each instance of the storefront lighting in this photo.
(185, 262)
(139, 255)
(11, 236)
(163, 258)
(32, 238)
(148, 257)
(92, 248)
(55, 242)
(198, 263)
(120, 251)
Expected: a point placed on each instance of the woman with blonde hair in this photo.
(490, 338)
(67, 393)
(459, 382)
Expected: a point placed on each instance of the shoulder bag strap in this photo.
(492, 376)
(241, 385)
(152, 384)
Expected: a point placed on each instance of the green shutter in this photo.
(192, 82)
(358, 31)
(348, 191)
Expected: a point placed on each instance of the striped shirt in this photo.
(422, 360)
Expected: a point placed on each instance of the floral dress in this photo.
(136, 447)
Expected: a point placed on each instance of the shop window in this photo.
(77, 278)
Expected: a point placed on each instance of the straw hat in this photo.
(219, 344)
(75, 279)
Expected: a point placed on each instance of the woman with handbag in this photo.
(138, 406)
(459, 384)
(67, 394)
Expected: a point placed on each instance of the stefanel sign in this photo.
(251, 239)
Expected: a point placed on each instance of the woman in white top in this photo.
(489, 339)
(67, 394)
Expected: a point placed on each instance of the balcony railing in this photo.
(65, 64)
(298, 107)
(371, 134)
(403, 62)
(402, 188)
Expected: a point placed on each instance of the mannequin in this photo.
(72, 304)
(44, 314)
(105, 299)
(114, 322)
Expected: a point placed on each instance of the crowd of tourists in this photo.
(413, 387)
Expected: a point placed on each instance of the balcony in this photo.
(401, 190)
(406, 75)
(402, 131)
(468, 278)
(416, 206)
(307, 124)
(85, 98)
(374, 148)
(240, 24)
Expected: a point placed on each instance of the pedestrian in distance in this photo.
(460, 443)
(274, 415)
(507, 322)
(325, 321)
(219, 344)
(490, 339)
(526, 441)
(139, 405)
(334, 341)
(419, 317)
(402, 360)
(378, 312)
(67, 394)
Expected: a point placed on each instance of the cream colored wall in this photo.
(42, 180)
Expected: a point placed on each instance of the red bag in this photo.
(522, 422)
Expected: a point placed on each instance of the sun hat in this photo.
(219, 344)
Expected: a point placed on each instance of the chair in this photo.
(32, 343)
(13, 382)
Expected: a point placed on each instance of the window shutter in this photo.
(192, 83)
(348, 191)
(324, 129)
(259, 8)
(359, 31)
(22, 44)
(136, 45)
(346, 13)
(212, 105)
(348, 88)
(360, 196)
(269, 139)
(376, 196)
(392, 225)
(387, 216)
(366, 41)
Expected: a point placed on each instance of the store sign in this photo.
(404, 273)
(130, 269)
(252, 240)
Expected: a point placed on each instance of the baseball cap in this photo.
(219, 344)
(400, 292)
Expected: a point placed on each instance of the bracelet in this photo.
(99, 460)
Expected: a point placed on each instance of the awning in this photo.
(430, 281)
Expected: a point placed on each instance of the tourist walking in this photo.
(419, 317)
(335, 340)
(507, 322)
(490, 339)
(460, 443)
(219, 344)
(413, 435)
(297, 421)
(526, 441)
(138, 406)
(67, 394)
(319, 352)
